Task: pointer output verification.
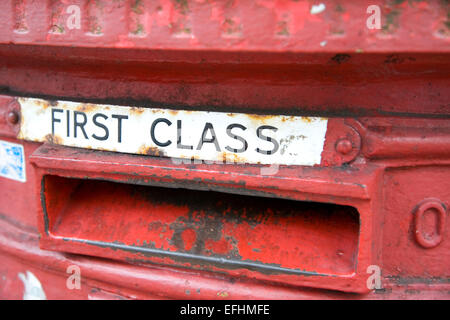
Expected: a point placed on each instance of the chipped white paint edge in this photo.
(32, 287)
(301, 139)
(316, 9)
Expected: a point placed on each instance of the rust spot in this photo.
(86, 107)
(392, 14)
(224, 157)
(54, 139)
(42, 104)
(222, 294)
(395, 58)
(155, 225)
(182, 6)
(232, 158)
(53, 103)
(151, 151)
(173, 112)
(259, 117)
(137, 110)
(137, 7)
(340, 58)
(282, 28)
(290, 118)
(103, 149)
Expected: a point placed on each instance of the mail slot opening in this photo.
(205, 230)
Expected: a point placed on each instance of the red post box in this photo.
(208, 150)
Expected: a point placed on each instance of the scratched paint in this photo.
(201, 135)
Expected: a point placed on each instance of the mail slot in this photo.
(206, 230)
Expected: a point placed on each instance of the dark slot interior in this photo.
(247, 231)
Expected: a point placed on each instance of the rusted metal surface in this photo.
(146, 226)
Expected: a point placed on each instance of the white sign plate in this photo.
(200, 135)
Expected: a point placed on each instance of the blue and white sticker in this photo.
(12, 161)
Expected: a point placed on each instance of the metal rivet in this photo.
(12, 117)
(344, 146)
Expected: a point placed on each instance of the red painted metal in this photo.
(146, 227)
(232, 26)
